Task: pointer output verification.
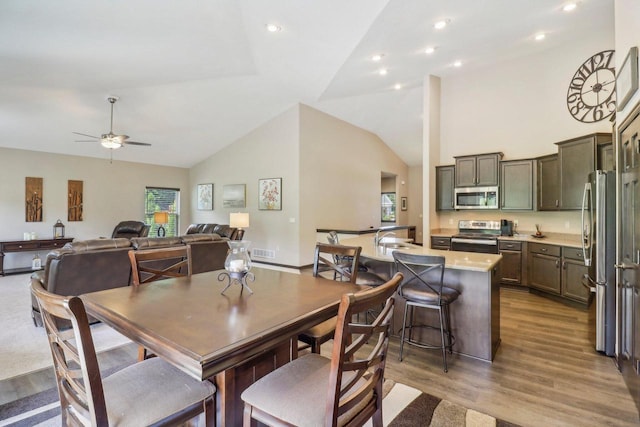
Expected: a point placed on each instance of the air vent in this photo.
(263, 253)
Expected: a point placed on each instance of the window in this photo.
(388, 203)
(162, 200)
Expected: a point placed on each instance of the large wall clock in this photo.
(592, 92)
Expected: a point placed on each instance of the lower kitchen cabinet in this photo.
(443, 243)
(511, 266)
(573, 271)
(544, 267)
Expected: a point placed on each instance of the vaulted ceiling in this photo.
(194, 76)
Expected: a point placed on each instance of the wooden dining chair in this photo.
(149, 265)
(345, 390)
(329, 259)
(151, 392)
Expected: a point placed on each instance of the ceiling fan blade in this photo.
(85, 140)
(135, 143)
(84, 134)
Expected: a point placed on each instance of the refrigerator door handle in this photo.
(586, 233)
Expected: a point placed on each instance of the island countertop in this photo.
(453, 260)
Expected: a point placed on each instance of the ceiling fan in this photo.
(111, 140)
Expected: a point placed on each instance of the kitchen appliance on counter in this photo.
(476, 198)
(599, 249)
(476, 236)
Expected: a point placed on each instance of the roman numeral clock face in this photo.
(592, 92)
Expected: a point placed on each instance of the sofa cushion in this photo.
(224, 230)
(154, 242)
(195, 228)
(199, 238)
(97, 244)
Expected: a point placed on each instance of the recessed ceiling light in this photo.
(377, 57)
(569, 7)
(441, 24)
(397, 86)
(457, 64)
(430, 50)
(383, 71)
(273, 28)
(540, 36)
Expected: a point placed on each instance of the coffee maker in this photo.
(506, 227)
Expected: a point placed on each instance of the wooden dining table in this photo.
(235, 338)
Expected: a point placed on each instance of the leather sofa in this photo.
(93, 265)
(129, 229)
(222, 230)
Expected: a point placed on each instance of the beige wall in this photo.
(340, 170)
(270, 151)
(112, 192)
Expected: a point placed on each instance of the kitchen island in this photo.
(475, 316)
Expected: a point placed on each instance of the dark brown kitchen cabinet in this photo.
(445, 180)
(606, 157)
(576, 159)
(511, 265)
(573, 271)
(548, 191)
(443, 243)
(516, 184)
(544, 267)
(478, 170)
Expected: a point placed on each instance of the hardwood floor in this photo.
(545, 372)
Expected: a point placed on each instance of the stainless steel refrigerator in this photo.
(599, 248)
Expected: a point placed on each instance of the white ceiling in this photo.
(193, 76)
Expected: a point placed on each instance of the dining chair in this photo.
(423, 287)
(151, 392)
(149, 265)
(344, 390)
(327, 258)
(365, 277)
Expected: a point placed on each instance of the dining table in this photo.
(233, 338)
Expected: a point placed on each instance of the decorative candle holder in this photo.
(237, 265)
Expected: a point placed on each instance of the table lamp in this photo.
(239, 220)
(161, 218)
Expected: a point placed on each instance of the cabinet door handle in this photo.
(543, 249)
(557, 204)
(564, 265)
(557, 263)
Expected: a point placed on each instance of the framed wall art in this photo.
(627, 78)
(270, 194)
(205, 197)
(33, 199)
(74, 200)
(233, 196)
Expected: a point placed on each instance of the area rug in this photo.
(25, 347)
(402, 406)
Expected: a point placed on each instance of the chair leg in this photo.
(448, 319)
(444, 347)
(210, 412)
(246, 417)
(315, 347)
(404, 326)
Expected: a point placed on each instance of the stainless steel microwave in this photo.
(476, 198)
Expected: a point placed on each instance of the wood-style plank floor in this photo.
(546, 373)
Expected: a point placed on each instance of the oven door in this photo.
(487, 246)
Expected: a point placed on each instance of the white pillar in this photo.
(430, 153)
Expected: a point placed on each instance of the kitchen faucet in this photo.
(377, 239)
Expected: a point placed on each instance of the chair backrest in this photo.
(74, 358)
(130, 229)
(427, 270)
(346, 271)
(332, 238)
(149, 265)
(356, 380)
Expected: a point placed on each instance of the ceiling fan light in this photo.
(112, 143)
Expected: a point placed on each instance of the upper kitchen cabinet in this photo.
(548, 190)
(478, 170)
(576, 159)
(445, 179)
(516, 184)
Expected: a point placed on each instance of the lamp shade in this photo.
(161, 217)
(239, 220)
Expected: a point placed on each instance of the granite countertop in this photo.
(559, 239)
(453, 260)
(365, 230)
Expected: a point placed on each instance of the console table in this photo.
(28, 246)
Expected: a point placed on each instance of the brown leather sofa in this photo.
(129, 229)
(93, 265)
(222, 230)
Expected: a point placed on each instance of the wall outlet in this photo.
(515, 223)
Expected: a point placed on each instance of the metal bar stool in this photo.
(423, 288)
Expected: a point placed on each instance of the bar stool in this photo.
(423, 288)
